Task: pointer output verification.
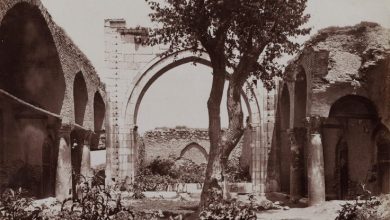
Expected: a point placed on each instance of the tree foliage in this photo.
(247, 34)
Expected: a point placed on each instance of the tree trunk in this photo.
(221, 143)
(214, 169)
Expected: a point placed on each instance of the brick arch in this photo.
(196, 146)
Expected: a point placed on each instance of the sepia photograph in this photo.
(195, 109)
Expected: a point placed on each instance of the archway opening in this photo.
(172, 112)
(284, 143)
(30, 68)
(32, 90)
(195, 153)
(300, 98)
(146, 79)
(76, 144)
(382, 139)
(352, 146)
(300, 111)
(99, 110)
(80, 95)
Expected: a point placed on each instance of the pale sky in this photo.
(185, 103)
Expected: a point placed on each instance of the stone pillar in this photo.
(126, 154)
(64, 164)
(315, 162)
(85, 169)
(259, 160)
(297, 141)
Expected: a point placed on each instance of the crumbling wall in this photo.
(340, 61)
(347, 62)
(165, 142)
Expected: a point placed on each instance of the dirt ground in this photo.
(326, 211)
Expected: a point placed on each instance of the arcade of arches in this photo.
(48, 115)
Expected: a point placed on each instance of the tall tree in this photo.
(243, 37)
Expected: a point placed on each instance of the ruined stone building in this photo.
(319, 134)
(52, 103)
(333, 116)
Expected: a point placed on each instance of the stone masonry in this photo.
(189, 143)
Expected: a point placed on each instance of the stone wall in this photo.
(164, 142)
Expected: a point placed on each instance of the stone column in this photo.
(64, 164)
(125, 153)
(315, 162)
(297, 141)
(259, 160)
(85, 169)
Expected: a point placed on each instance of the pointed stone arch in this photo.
(30, 68)
(144, 79)
(194, 145)
(32, 85)
(80, 98)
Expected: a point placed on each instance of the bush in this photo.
(14, 205)
(162, 173)
(366, 207)
(189, 172)
(219, 208)
(99, 177)
(162, 167)
(147, 181)
(234, 172)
